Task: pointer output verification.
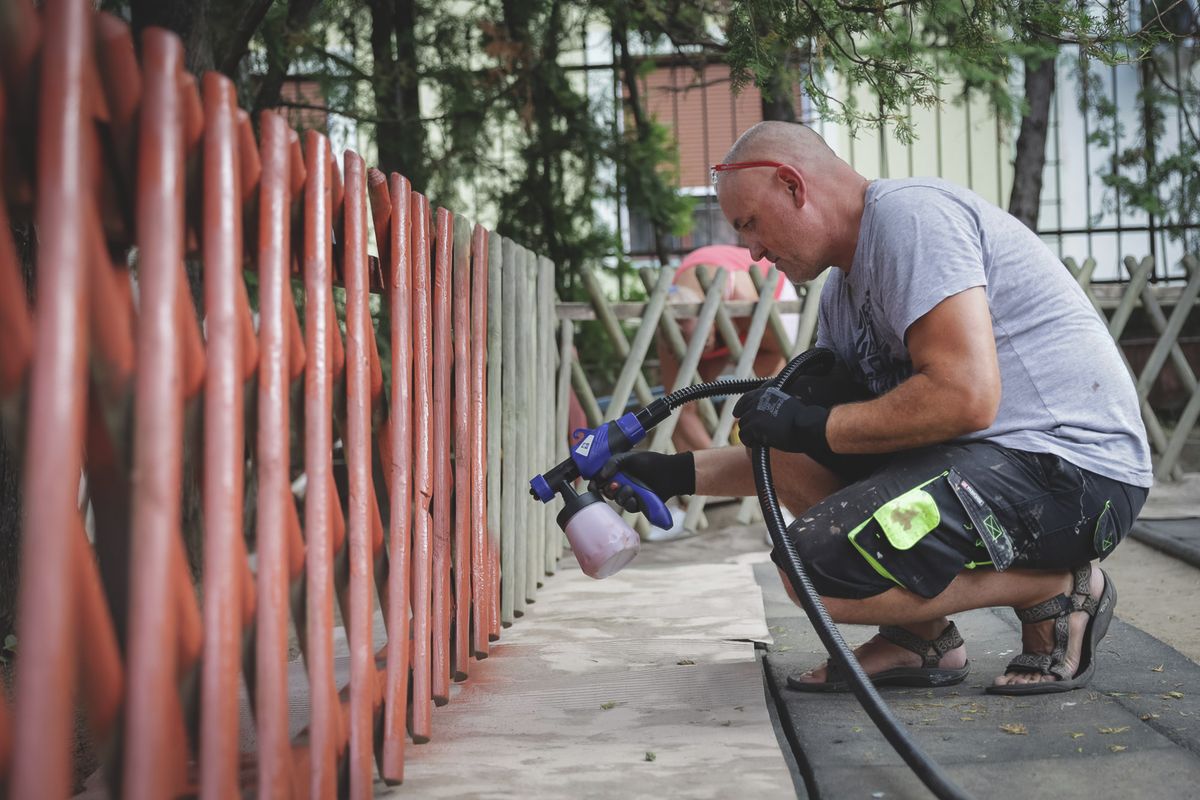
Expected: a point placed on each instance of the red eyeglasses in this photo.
(715, 168)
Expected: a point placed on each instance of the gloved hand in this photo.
(665, 475)
(769, 417)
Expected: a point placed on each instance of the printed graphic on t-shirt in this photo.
(877, 368)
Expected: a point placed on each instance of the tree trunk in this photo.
(1026, 197)
(187, 18)
(399, 134)
(272, 83)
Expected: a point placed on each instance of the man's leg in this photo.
(971, 589)
(799, 481)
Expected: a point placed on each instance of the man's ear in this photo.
(794, 182)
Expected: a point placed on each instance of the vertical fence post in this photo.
(273, 462)
(481, 397)
(521, 456)
(319, 510)
(398, 273)
(548, 419)
(160, 592)
(497, 351)
(421, 711)
(223, 447)
(460, 649)
(358, 462)
(53, 454)
(562, 406)
(510, 439)
(531, 429)
(443, 487)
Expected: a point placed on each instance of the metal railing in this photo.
(175, 426)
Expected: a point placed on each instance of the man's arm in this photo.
(954, 389)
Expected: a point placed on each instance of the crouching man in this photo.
(991, 452)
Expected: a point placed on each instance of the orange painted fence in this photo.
(159, 411)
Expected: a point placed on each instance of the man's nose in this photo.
(757, 251)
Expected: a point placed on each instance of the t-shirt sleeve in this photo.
(928, 247)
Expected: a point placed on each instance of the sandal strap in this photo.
(1081, 595)
(946, 641)
(1038, 664)
(1047, 609)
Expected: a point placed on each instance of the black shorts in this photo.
(923, 516)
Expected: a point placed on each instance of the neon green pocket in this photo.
(906, 519)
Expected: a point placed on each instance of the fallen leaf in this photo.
(1148, 716)
(1077, 735)
(967, 719)
(1015, 728)
(609, 705)
(685, 662)
(856, 729)
(1121, 729)
(1173, 696)
(1116, 748)
(1159, 668)
(650, 756)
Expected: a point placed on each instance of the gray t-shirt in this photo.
(1064, 388)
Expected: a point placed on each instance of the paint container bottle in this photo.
(602, 542)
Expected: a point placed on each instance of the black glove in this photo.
(665, 475)
(770, 417)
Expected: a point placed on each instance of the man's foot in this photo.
(1059, 636)
(925, 654)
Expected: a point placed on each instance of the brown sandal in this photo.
(1059, 608)
(929, 674)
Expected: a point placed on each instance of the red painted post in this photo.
(358, 460)
(442, 398)
(274, 458)
(53, 453)
(319, 510)
(463, 456)
(399, 467)
(480, 589)
(223, 445)
(422, 340)
(153, 735)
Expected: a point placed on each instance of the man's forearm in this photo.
(916, 413)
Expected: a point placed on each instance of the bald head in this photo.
(802, 209)
(789, 142)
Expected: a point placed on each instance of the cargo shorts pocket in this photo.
(895, 539)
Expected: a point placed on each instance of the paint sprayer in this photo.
(603, 543)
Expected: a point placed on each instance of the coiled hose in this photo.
(868, 696)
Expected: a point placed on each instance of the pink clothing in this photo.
(732, 259)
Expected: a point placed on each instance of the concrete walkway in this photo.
(646, 684)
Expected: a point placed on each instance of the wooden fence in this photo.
(143, 428)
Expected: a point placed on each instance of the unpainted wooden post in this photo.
(551, 432)
(509, 435)
(495, 364)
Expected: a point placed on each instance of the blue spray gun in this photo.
(599, 537)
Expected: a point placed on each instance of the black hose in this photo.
(868, 696)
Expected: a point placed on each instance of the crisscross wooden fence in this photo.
(135, 178)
